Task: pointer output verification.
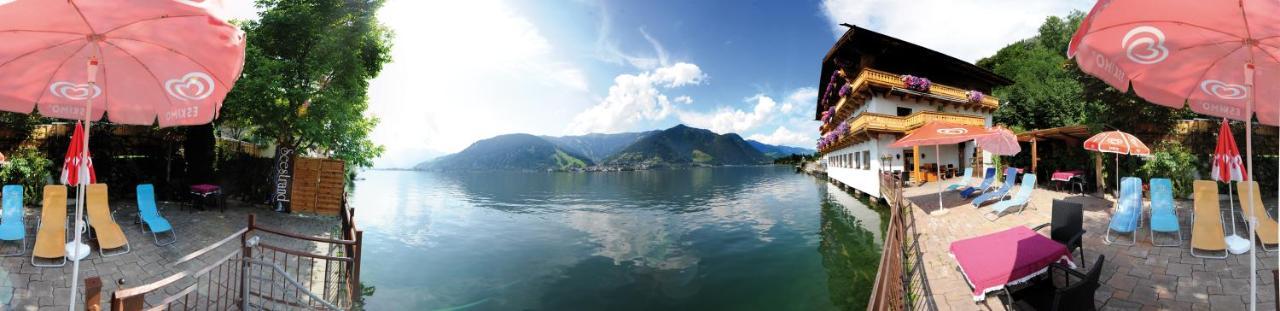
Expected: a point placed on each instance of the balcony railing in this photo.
(872, 77)
(882, 123)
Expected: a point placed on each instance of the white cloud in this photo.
(450, 88)
(634, 98)
(966, 29)
(684, 100)
(801, 97)
(730, 120)
(785, 137)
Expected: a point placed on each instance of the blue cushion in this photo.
(1129, 208)
(1164, 218)
(147, 209)
(11, 217)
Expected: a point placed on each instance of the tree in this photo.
(306, 77)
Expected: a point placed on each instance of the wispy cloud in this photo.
(966, 29)
(786, 137)
(635, 99)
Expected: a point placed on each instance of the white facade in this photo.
(847, 165)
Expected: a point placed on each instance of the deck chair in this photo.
(1019, 199)
(1206, 221)
(51, 234)
(964, 180)
(1266, 228)
(149, 217)
(1047, 295)
(987, 179)
(1128, 211)
(1164, 214)
(1066, 226)
(12, 225)
(103, 225)
(1010, 178)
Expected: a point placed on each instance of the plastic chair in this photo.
(1128, 212)
(1164, 214)
(150, 219)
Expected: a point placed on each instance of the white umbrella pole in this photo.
(1117, 179)
(937, 168)
(1231, 207)
(80, 193)
(1251, 219)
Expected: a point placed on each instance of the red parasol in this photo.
(938, 133)
(72, 168)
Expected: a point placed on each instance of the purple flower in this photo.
(915, 83)
(975, 96)
(844, 90)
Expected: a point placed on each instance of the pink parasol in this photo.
(938, 133)
(1205, 54)
(77, 167)
(148, 62)
(1001, 141)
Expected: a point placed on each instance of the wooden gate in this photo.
(318, 185)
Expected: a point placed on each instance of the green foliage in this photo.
(795, 159)
(29, 168)
(306, 77)
(1172, 160)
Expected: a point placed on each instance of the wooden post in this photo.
(915, 163)
(1097, 173)
(133, 303)
(93, 293)
(1034, 157)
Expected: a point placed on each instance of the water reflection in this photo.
(694, 239)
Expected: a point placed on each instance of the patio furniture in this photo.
(1266, 227)
(1164, 214)
(1066, 226)
(51, 232)
(13, 227)
(1048, 295)
(1206, 221)
(991, 262)
(1010, 178)
(987, 179)
(149, 217)
(105, 229)
(1020, 199)
(964, 180)
(204, 194)
(1128, 211)
(1072, 179)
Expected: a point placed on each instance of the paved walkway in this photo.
(1139, 277)
(26, 287)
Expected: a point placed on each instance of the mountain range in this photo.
(677, 146)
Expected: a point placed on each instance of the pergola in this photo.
(1072, 135)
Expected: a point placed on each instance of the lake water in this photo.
(729, 238)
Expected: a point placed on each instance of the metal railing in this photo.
(872, 77)
(270, 269)
(891, 286)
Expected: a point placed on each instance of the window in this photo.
(857, 161)
(866, 160)
(904, 111)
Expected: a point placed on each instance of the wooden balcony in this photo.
(867, 124)
(871, 82)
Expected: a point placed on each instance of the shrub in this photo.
(29, 168)
(1172, 160)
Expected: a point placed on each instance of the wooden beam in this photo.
(1034, 158)
(915, 158)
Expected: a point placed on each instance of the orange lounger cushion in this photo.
(51, 238)
(109, 234)
(1206, 232)
(1266, 230)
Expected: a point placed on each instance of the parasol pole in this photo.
(80, 184)
(937, 168)
(1252, 218)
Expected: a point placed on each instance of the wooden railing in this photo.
(266, 271)
(872, 77)
(875, 122)
(889, 292)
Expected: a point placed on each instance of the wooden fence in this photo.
(891, 283)
(318, 185)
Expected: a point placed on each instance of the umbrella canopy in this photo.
(1001, 141)
(1227, 165)
(171, 61)
(77, 167)
(1180, 52)
(1116, 142)
(940, 133)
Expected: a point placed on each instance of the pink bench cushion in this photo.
(204, 188)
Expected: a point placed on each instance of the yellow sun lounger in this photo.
(51, 237)
(105, 229)
(1266, 230)
(1206, 228)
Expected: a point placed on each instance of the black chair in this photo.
(1067, 226)
(1072, 295)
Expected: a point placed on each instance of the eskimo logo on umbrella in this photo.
(1223, 90)
(952, 131)
(1145, 45)
(193, 86)
(74, 91)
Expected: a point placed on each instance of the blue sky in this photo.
(472, 69)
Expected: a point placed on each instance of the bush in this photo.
(1173, 161)
(29, 168)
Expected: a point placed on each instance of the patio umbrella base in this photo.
(1237, 245)
(78, 253)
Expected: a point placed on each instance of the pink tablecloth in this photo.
(1012, 256)
(1065, 175)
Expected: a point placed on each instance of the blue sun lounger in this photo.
(964, 181)
(1019, 199)
(988, 178)
(1010, 178)
(150, 217)
(1128, 212)
(1164, 214)
(12, 225)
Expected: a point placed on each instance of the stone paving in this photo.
(1139, 277)
(26, 287)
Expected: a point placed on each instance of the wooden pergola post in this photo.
(915, 163)
(1034, 157)
(1097, 172)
